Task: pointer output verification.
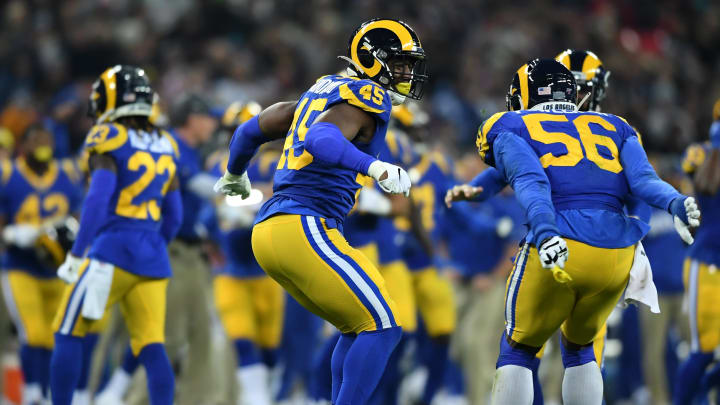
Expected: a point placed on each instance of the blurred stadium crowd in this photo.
(662, 55)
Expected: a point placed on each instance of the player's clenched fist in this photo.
(553, 252)
(392, 179)
(686, 215)
(462, 192)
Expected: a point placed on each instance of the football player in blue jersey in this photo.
(431, 176)
(131, 211)
(702, 161)
(36, 193)
(332, 134)
(250, 303)
(591, 77)
(571, 171)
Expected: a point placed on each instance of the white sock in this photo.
(254, 384)
(81, 397)
(32, 394)
(583, 385)
(513, 385)
(118, 384)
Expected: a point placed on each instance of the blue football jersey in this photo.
(707, 238)
(28, 198)
(306, 187)
(580, 154)
(431, 177)
(362, 229)
(146, 164)
(236, 243)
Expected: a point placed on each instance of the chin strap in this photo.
(585, 99)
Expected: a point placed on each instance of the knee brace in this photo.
(514, 353)
(574, 355)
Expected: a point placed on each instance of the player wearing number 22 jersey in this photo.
(571, 171)
(331, 135)
(132, 210)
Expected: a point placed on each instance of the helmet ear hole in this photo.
(366, 59)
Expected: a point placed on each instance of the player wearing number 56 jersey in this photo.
(131, 211)
(331, 135)
(571, 171)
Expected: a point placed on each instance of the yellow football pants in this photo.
(142, 303)
(317, 266)
(32, 303)
(702, 286)
(435, 300)
(250, 308)
(536, 305)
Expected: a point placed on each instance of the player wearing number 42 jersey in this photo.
(571, 171)
(131, 211)
(331, 135)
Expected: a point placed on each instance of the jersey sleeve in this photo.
(715, 134)
(76, 192)
(488, 132)
(693, 158)
(105, 138)
(367, 96)
(6, 168)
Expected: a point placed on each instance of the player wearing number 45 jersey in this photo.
(331, 135)
(131, 211)
(571, 171)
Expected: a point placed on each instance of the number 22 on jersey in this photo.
(588, 140)
(142, 160)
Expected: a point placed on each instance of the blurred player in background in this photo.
(520, 145)
(431, 175)
(334, 130)
(189, 293)
(132, 211)
(666, 252)
(188, 328)
(482, 238)
(702, 280)
(38, 194)
(250, 304)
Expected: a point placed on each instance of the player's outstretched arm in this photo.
(329, 138)
(485, 185)
(271, 124)
(646, 184)
(103, 179)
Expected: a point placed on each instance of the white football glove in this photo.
(553, 252)
(21, 235)
(68, 271)
(232, 184)
(397, 180)
(693, 216)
